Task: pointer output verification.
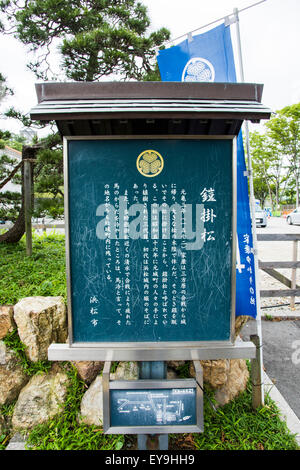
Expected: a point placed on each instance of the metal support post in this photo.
(152, 370)
(27, 203)
(259, 359)
(105, 388)
(256, 366)
(294, 271)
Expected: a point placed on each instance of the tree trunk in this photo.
(17, 231)
(92, 66)
(277, 196)
(270, 197)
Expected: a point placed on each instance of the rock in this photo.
(126, 371)
(88, 370)
(214, 372)
(12, 376)
(171, 374)
(4, 425)
(239, 323)
(41, 399)
(7, 323)
(91, 408)
(176, 364)
(238, 376)
(41, 321)
(228, 377)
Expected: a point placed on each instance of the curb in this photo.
(279, 317)
(17, 442)
(289, 417)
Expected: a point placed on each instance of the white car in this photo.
(260, 217)
(294, 217)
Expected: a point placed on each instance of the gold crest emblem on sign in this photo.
(150, 163)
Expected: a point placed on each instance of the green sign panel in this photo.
(150, 239)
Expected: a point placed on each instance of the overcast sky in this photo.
(270, 35)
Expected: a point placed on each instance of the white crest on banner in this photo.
(198, 69)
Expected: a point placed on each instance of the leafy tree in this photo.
(10, 170)
(10, 201)
(284, 130)
(269, 174)
(290, 192)
(95, 38)
(260, 167)
(4, 89)
(261, 189)
(49, 178)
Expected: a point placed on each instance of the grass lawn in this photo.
(236, 426)
(41, 274)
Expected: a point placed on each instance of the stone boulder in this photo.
(41, 321)
(4, 425)
(237, 379)
(228, 377)
(126, 371)
(12, 376)
(41, 399)
(176, 364)
(7, 323)
(91, 409)
(215, 373)
(88, 370)
(240, 321)
(172, 374)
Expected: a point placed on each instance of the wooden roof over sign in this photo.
(148, 108)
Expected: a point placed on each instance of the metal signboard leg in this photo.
(152, 370)
(258, 363)
(256, 376)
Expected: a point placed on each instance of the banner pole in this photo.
(223, 18)
(258, 377)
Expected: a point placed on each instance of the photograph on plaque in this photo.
(150, 239)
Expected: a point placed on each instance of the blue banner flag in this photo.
(208, 57)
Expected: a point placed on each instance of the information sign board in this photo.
(150, 239)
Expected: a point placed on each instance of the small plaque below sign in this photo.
(153, 407)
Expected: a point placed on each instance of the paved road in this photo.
(281, 356)
(277, 251)
(278, 225)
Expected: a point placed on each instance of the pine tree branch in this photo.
(11, 175)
